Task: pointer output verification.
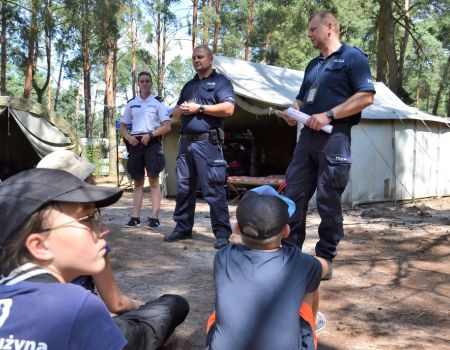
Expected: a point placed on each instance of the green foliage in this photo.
(179, 72)
(94, 153)
(278, 37)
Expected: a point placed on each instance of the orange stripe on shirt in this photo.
(307, 314)
(211, 321)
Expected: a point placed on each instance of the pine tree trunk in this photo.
(109, 110)
(216, 27)
(49, 96)
(441, 87)
(194, 24)
(58, 86)
(48, 51)
(133, 35)
(109, 42)
(419, 78)
(3, 45)
(30, 58)
(386, 54)
(249, 29)
(206, 15)
(163, 51)
(159, 50)
(404, 44)
(89, 120)
(77, 100)
(448, 103)
(267, 49)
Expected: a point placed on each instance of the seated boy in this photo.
(261, 285)
(51, 233)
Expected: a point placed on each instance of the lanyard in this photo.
(194, 93)
(317, 69)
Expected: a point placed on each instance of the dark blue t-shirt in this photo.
(341, 75)
(56, 316)
(211, 90)
(258, 296)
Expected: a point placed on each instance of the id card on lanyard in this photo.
(313, 90)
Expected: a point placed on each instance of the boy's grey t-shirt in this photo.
(258, 296)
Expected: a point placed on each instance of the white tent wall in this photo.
(425, 161)
(371, 175)
(405, 160)
(398, 160)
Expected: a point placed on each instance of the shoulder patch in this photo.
(159, 98)
(360, 50)
(131, 99)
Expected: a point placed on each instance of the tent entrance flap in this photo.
(17, 153)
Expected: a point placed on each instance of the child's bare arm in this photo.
(325, 265)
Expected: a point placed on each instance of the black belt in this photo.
(153, 139)
(196, 137)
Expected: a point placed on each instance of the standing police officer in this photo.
(203, 104)
(150, 120)
(336, 88)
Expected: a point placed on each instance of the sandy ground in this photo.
(391, 285)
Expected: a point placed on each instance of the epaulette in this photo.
(159, 98)
(131, 99)
(360, 50)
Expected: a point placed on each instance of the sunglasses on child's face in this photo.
(92, 221)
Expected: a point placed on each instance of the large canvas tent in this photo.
(398, 151)
(28, 132)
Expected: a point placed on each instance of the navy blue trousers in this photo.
(321, 162)
(201, 163)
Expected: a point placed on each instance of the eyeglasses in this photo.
(93, 221)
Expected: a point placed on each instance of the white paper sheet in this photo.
(303, 117)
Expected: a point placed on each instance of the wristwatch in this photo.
(151, 135)
(201, 109)
(330, 115)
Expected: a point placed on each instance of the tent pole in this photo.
(438, 160)
(394, 157)
(414, 164)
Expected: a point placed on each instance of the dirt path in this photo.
(391, 285)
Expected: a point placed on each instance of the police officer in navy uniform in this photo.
(204, 103)
(150, 121)
(337, 86)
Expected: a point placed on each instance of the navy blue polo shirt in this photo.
(214, 89)
(341, 75)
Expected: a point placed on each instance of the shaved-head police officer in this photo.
(204, 103)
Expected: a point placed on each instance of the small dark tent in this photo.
(28, 132)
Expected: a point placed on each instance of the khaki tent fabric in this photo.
(28, 132)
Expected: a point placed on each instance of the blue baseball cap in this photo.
(270, 191)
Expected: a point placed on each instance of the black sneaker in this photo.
(153, 223)
(134, 222)
(176, 236)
